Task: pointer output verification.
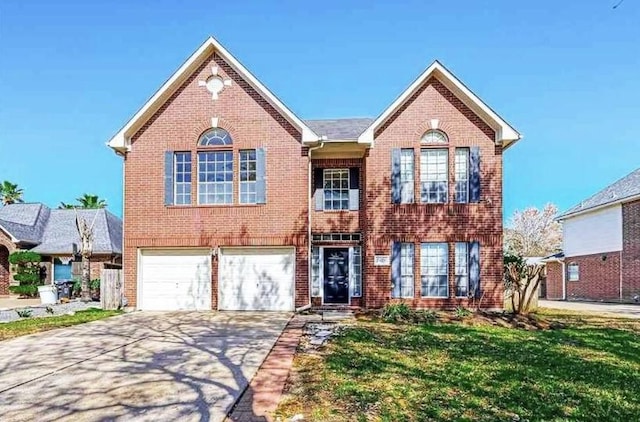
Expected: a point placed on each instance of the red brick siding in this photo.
(6, 248)
(554, 280)
(630, 250)
(252, 123)
(418, 223)
(599, 279)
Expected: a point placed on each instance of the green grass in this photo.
(35, 325)
(587, 371)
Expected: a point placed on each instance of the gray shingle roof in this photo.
(54, 231)
(627, 187)
(339, 128)
(25, 222)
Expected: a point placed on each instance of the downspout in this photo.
(564, 280)
(309, 207)
(620, 276)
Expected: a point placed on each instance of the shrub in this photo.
(396, 312)
(26, 265)
(462, 312)
(94, 284)
(24, 313)
(424, 316)
(24, 290)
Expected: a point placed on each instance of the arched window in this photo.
(434, 136)
(215, 137)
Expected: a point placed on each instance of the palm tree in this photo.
(91, 201)
(10, 193)
(64, 206)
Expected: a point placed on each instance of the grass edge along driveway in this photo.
(35, 325)
(586, 368)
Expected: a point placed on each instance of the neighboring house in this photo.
(601, 247)
(53, 235)
(233, 202)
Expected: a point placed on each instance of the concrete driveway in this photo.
(621, 310)
(140, 366)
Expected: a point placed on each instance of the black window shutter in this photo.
(168, 177)
(474, 269)
(318, 193)
(474, 174)
(261, 183)
(395, 176)
(354, 188)
(395, 270)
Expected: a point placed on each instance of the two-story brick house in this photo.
(233, 202)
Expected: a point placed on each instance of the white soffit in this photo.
(505, 134)
(121, 140)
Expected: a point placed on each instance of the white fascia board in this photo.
(505, 134)
(598, 208)
(121, 141)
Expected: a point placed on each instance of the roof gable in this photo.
(121, 140)
(620, 191)
(505, 133)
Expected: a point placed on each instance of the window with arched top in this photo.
(215, 137)
(434, 136)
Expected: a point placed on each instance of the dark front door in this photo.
(336, 275)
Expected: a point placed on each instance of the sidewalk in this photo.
(622, 310)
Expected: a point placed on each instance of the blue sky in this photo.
(565, 74)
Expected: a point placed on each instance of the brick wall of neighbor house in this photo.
(599, 277)
(252, 123)
(6, 248)
(630, 250)
(554, 281)
(449, 222)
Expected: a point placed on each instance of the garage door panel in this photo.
(257, 279)
(175, 280)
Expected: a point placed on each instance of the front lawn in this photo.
(585, 369)
(34, 325)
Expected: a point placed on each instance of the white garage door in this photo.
(256, 279)
(175, 280)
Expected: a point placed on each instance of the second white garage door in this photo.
(260, 279)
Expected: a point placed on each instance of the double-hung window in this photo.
(215, 177)
(406, 270)
(462, 269)
(434, 269)
(434, 178)
(406, 176)
(336, 189)
(462, 175)
(182, 178)
(248, 175)
(573, 271)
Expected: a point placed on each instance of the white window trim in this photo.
(413, 276)
(199, 183)
(447, 273)
(351, 273)
(468, 175)
(247, 182)
(424, 173)
(324, 190)
(576, 274)
(175, 179)
(455, 264)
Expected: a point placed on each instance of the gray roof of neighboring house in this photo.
(340, 128)
(25, 222)
(54, 231)
(627, 187)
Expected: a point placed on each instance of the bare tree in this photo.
(521, 282)
(533, 232)
(86, 248)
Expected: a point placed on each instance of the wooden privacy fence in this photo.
(111, 283)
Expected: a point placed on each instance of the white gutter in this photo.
(621, 263)
(564, 280)
(598, 207)
(309, 198)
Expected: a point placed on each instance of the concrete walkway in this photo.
(141, 366)
(621, 310)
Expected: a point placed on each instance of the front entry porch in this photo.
(336, 276)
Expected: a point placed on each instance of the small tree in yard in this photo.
(521, 282)
(26, 265)
(533, 232)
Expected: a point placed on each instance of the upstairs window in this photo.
(215, 177)
(462, 175)
(248, 175)
(336, 189)
(406, 176)
(434, 137)
(182, 178)
(215, 137)
(434, 175)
